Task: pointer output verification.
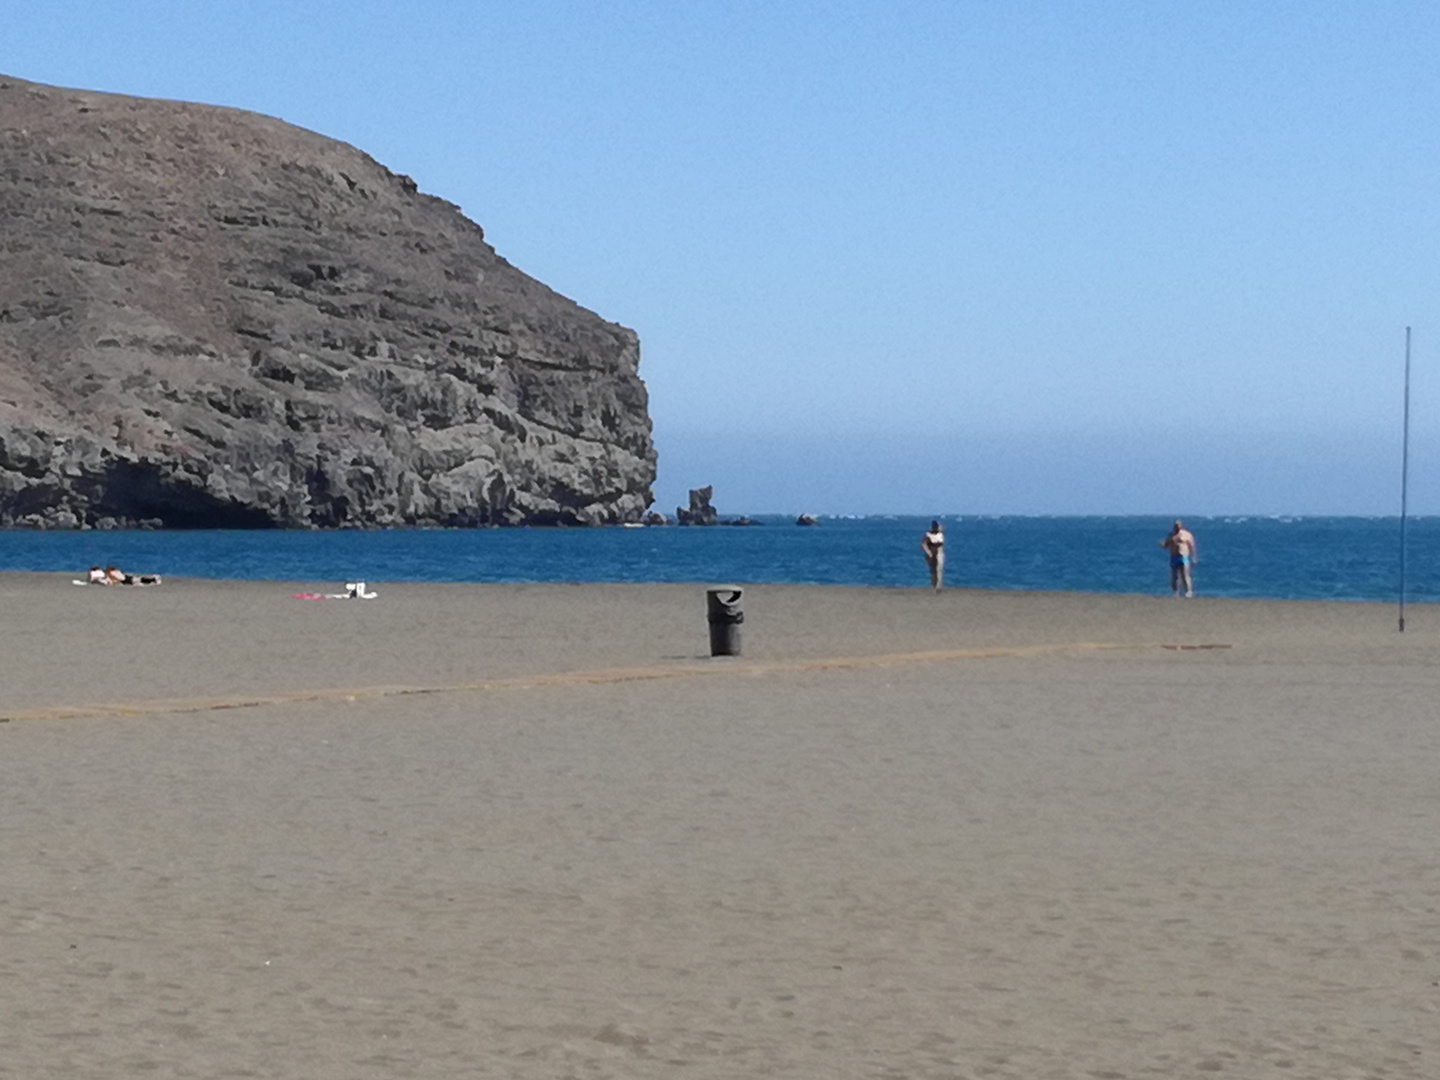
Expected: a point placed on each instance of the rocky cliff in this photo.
(210, 318)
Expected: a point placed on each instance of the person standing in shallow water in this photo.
(1181, 546)
(933, 546)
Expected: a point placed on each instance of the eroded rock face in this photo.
(210, 318)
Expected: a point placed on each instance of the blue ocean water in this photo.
(1281, 558)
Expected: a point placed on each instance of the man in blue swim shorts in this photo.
(1181, 546)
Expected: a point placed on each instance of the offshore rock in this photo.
(211, 318)
(700, 511)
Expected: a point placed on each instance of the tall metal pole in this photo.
(1404, 478)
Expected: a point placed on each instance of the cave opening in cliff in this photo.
(135, 492)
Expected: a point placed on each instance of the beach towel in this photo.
(354, 590)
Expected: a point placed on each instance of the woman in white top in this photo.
(933, 545)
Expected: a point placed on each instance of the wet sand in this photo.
(905, 835)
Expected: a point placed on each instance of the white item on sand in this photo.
(354, 590)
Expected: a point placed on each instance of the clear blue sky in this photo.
(971, 257)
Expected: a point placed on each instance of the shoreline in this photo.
(1354, 559)
(314, 584)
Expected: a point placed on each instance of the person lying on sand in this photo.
(115, 576)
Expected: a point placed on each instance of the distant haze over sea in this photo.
(1061, 473)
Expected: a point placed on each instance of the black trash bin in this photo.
(722, 605)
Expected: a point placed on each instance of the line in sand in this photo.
(723, 666)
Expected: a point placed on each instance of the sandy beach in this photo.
(535, 831)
